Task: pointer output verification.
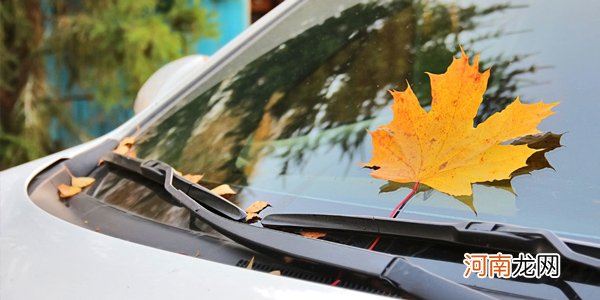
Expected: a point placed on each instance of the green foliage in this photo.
(107, 48)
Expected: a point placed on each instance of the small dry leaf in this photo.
(257, 206)
(223, 189)
(124, 147)
(250, 263)
(275, 272)
(67, 191)
(193, 178)
(132, 153)
(312, 234)
(252, 217)
(254, 209)
(121, 150)
(82, 182)
(127, 141)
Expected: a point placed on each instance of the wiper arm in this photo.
(466, 234)
(150, 170)
(393, 270)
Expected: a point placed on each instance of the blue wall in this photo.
(233, 16)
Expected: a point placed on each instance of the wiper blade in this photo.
(396, 271)
(467, 234)
(150, 170)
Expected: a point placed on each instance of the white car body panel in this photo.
(44, 257)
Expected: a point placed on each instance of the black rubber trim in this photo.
(79, 165)
(475, 234)
(386, 268)
(148, 169)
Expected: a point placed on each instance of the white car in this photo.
(280, 115)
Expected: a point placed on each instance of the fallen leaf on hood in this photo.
(545, 143)
(124, 147)
(82, 182)
(193, 178)
(257, 206)
(254, 209)
(312, 234)
(121, 149)
(67, 191)
(441, 148)
(223, 189)
(275, 272)
(252, 217)
(127, 141)
(250, 263)
(132, 153)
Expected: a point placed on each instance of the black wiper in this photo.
(486, 235)
(576, 267)
(150, 170)
(392, 270)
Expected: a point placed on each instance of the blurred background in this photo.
(70, 69)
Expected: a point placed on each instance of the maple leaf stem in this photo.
(393, 214)
(400, 205)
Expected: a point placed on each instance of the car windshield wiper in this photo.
(466, 235)
(481, 235)
(150, 170)
(395, 271)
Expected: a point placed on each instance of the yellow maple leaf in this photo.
(193, 177)
(254, 209)
(312, 234)
(82, 182)
(441, 148)
(223, 189)
(124, 147)
(68, 191)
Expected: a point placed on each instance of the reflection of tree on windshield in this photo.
(322, 88)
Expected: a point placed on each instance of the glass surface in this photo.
(291, 120)
(145, 199)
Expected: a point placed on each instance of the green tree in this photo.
(105, 49)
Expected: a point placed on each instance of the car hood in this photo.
(46, 257)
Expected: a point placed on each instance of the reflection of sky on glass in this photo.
(562, 35)
(565, 36)
(266, 125)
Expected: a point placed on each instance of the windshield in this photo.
(288, 116)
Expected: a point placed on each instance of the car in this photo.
(276, 122)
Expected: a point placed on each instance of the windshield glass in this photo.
(288, 116)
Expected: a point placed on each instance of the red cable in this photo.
(393, 214)
(374, 243)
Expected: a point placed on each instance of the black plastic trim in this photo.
(385, 268)
(476, 234)
(148, 169)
